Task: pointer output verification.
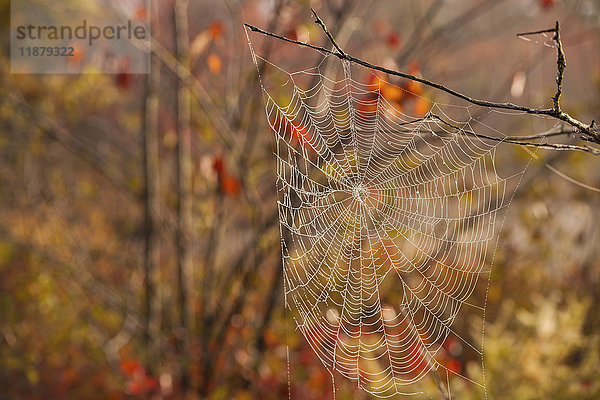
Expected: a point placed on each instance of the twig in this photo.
(322, 24)
(560, 61)
(572, 180)
(460, 20)
(273, 35)
(561, 64)
(588, 132)
(416, 36)
(519, 141)
(204, 99)
(440, 385)
(536, 32)
(344, 56)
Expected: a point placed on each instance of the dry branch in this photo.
(585, 132)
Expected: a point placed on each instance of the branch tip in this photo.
(328, 34)
(553, 30)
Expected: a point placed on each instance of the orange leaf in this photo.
(78, 53)
(375, 80)
(414, 87)
(391, 93)
(216, 29)
(422, 107)
(141, 13)
(214, 64)
(454, 366)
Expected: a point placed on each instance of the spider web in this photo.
(388, 222)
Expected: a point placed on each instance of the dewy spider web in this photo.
(386, 220)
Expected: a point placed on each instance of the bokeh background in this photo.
(139, 241)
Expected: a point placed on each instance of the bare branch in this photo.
(587, 132)
(519, 140)
(199, 92)
(536, 32)
(322, 24)
(560, 68)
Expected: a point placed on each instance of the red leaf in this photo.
(300, 133)
(546, 4)
(454, 366)
(230, 185)
(417, 362)
(150, 383)
(393, 40)
(123, 80)
(218, 165)
(135, 387)
(291, 34)
(131, 367)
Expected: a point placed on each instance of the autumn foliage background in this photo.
(140, 249)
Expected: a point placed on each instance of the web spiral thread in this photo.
(387, 222)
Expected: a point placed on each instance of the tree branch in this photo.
(331, 39)
(520, 140)
(589, 132)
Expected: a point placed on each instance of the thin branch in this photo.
(544, 135)
(204, 99)
(483, 103)
(331, 39)
(536, 136)
(430, 42)
(519, 141)
(561, 64)
(589, 132)
(273, 35)
(439, 383)
(572, 180)
(536, 32)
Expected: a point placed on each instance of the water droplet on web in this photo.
(377, 194)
